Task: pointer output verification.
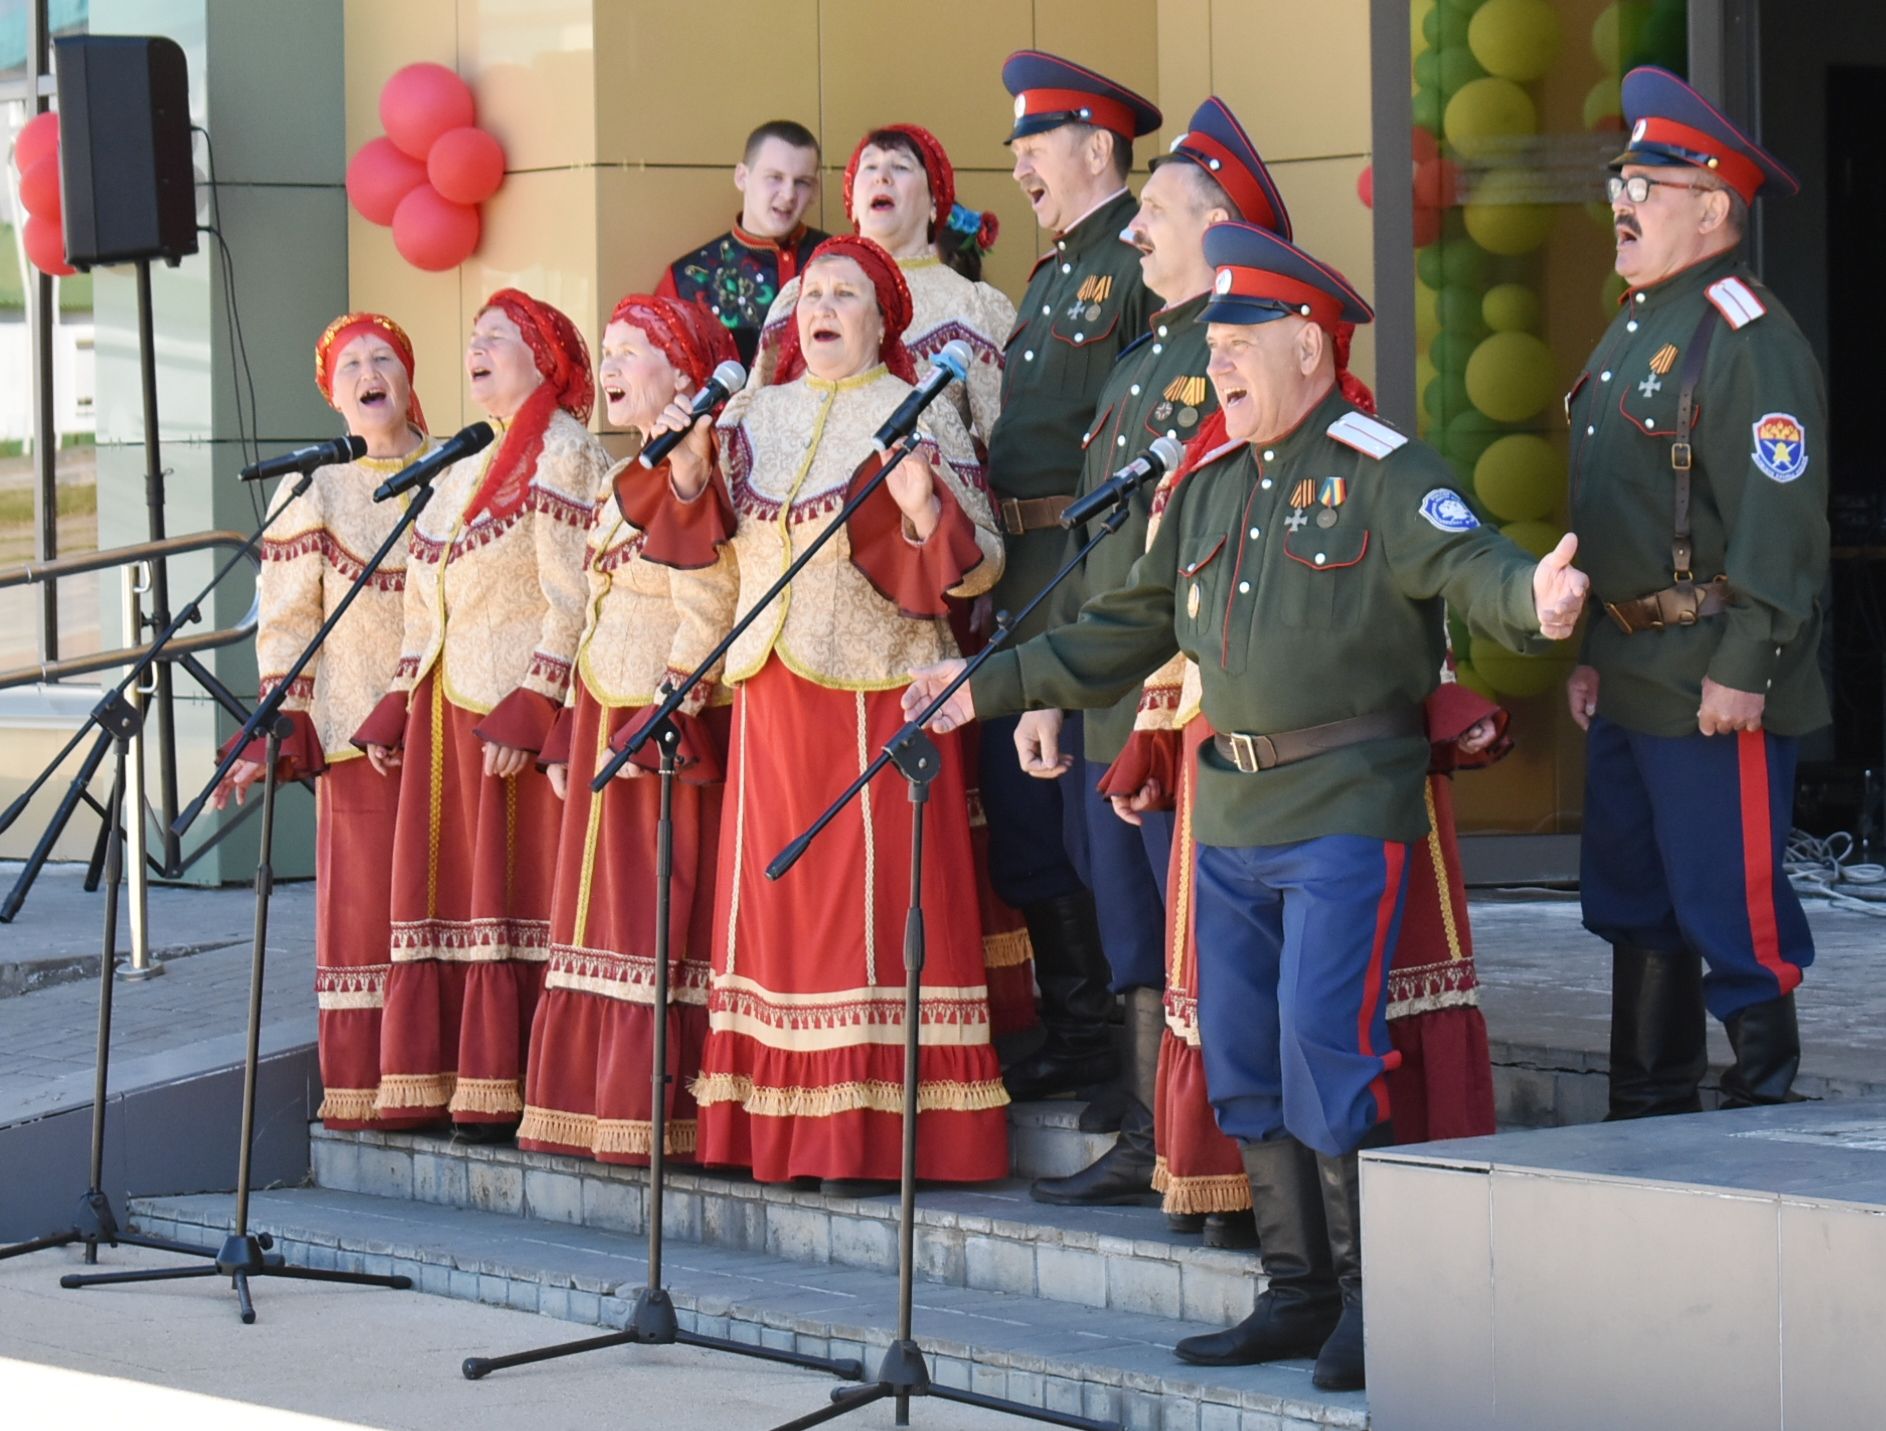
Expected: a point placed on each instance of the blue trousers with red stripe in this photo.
(1294, 943)
(1683, 849)
(1124, 865)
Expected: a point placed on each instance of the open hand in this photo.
(242, 775)
(925, 684)
(383, 758)
(1558, 589)
(1131, 808)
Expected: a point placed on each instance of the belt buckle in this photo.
(1012, 517)
(1243, 752)
(1680, 456)
(1616, 612)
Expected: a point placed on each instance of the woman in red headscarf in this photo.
(494, 606)
(804, 1066)
(318, 543)
(649, 626)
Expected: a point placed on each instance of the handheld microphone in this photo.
(950, 365)
(727, 380)
(305, 459)
(462, 443)
(1162, 457)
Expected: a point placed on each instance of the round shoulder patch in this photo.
(1780, 445)
(1447, 511)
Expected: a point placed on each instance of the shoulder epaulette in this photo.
(1736, 301)
(1366, 435)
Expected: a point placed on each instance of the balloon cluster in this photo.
(36, 162)
(427, 175)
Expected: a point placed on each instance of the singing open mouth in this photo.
(372, 396)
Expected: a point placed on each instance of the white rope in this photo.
(1819, 868)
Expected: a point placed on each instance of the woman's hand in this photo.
(913, 486)
(504, 761)
(1478, 736)
(242, 775)
(690, 464)
(559, 777)
(383, 758)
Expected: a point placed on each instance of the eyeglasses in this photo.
(1637, 187)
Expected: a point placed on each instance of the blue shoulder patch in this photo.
(1447, 511)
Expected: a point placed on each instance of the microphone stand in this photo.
(118, 721)
(652, 1320)
(244, 1255)
(903, 1373)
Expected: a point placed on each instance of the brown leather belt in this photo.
(1251, 753)
(1031, 514)
(1684, 604)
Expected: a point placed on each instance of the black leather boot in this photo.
(1233, 1231)
(1339, 1365)
(1124, 1173)
(1767, 1044)
(1075, 1003)
(1658, 1049)
(1300, 1307)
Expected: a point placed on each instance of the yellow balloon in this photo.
(1537, 538)
(1427, 313)
(1508, 229)
(1486, 110)
(1417, 16)
(1515, 39)
(1510, 308)
(1509, 674)
(1510, 377)
(1470, 678)
(1614, 34)
(1519, 478)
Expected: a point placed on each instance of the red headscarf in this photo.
(562, 359)
(692, 339)
(1353, 388)
(893, 306)
(937, 168)
(349, 326)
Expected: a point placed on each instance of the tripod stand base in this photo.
(652, 1324)
(95, 1223)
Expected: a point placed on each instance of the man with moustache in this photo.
(1157, 387)
(1699, 494)
(1304, 566)
(1073, 146)
(738, 274)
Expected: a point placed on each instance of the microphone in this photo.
(462, 443)
(306, 459)
(727, 380)
(950, 365)
(1162, 457)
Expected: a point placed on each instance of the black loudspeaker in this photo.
(125, 173)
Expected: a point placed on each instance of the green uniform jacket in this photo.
(1157, 388)
(1758, 501)
(1085, 302)
(1294, 623)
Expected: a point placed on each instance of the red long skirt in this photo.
(591, 1050)
(804, 1070)
(354, 809)
(472, 863)
(1444, 1086)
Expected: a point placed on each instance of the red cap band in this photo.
(1735, 169)
(1322, 309)
(1232, 174)
(1107, 113)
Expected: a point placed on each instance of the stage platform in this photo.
(1725, 1270)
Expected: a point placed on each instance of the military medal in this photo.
(1187, 416)
(1303, 494)
(1660, 363)
(1093, 312)
(1162, 412)
(1334, 492)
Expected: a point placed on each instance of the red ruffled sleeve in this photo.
(678, 534)
(913, 578)
(697, 757)
(1149, 755)
(386, 725)
(1453, 710)
(301, 753)
(522, 720)
(556, 746)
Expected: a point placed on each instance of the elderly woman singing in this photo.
(803, 1070)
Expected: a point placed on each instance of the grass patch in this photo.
(16, 504)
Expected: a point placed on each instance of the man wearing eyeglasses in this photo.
(1699, 494)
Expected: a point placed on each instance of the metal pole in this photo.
(137, 578)
(43, 318)
(160, 581)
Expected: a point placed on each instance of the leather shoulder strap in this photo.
(1681, 454)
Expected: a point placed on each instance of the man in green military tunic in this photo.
(1699, 492)
(1303, 565)
(1157, 388)
(1073, 147)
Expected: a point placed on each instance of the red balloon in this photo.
(1365, 187)
(1425, 145)
(37, 138)
(466, 165)
(432, 232)
(379, 176)
(45, 246)
(1427, 225)
(39, 188)
(421, 102)
(1437, 183)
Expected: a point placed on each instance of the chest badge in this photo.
(1184, 393)
(1780, 446)
(1661, 362)
(1332, 494)
(1094, 290)
(1192, 600)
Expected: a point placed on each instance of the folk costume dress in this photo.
(495, 604)
(587, 1090)
(946, 307)
(803, 1074)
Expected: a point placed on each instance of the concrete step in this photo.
(988, 1237)
(1045, 1140)
(1100, 1362)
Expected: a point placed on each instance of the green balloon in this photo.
(1459, 311)
(1430, 105)
(1510, 307)
(1519, 478)
(1427, 68)
(1665, 41)
(1616, 31)
(1446, 396)
(1431, 28)
(1458, 66)
(1463, 7)
(1463, 264)
(1450, 351)
(1469, 434)
(1428, 266)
